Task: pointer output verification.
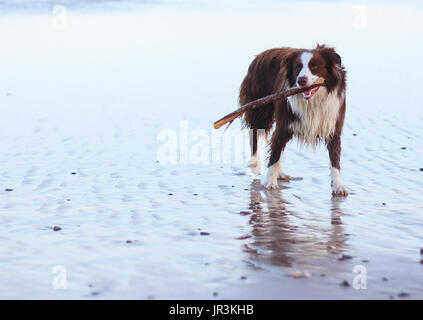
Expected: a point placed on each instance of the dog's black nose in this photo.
(302, 81)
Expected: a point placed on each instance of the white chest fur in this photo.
(317, 116)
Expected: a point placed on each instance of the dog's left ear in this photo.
(334, 61)
(336, 58)
(330, 54)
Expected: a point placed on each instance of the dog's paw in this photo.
(339, 191)
(284, 177)
(254, 165)
(271, 184)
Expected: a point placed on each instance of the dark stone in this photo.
(345, 283)
(245, 213)
(345, 257)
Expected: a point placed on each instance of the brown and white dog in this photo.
(312, 117)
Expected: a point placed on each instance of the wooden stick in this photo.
(265, 100)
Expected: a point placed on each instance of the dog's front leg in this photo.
(280, 138)
(334, 148)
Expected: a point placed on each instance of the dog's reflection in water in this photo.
(284, 236)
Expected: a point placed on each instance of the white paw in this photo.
(337, 188)
(254, 164)
(271, 184)
(339, 191)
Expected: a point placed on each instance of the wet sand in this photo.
(84, 108)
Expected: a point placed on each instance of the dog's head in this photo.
(305, 66)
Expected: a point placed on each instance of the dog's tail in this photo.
(259, 83)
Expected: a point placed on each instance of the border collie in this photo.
(312, 117)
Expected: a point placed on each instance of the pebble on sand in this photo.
(243, 237)
(300, 274)
(57, 228)
(203, 233)
(345, 257)
(345, 283)
(8, 189)
(403, 295)
(244, 213)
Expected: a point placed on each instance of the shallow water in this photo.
(89, 103)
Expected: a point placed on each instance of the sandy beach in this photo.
(114, 184)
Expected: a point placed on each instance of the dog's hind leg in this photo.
(279, 140)
(254, 162)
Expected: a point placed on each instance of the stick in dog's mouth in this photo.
(310, 93)
(270, 98)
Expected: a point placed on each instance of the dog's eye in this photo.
(314, 68)
(298, 66)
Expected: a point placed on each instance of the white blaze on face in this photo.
(305, 71)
